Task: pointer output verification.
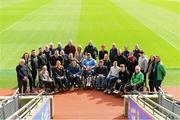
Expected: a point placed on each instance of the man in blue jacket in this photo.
(88, 67)
(74, 74)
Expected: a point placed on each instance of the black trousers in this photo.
(34, 74)
(74, 80)
(30, 82)
(157, 84)
(151, 85)
(144, 77)
(22, 84)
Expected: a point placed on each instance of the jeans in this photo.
(110, 81)
(100, 81)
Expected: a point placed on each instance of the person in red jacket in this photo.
(70, 48)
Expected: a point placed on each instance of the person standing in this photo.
(34, 66)
(102, 52)
(112, 53)
(29, 69)
(149, 72)
(120, 58)
(159, 73)
(126, 51)
(79, 55)
(131, 63)
(90, 48)
(22, 76)
(142, 62)
(70, 48)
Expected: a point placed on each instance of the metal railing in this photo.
(169, 103)
(155, 107)
(26, 109)
(9, 105)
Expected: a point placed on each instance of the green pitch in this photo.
(29, 24)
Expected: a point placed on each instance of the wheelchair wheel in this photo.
(125, 88)
(41, 87)
(143, 89)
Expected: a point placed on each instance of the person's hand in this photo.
(118, 80)
(25, 78)
(62, 77)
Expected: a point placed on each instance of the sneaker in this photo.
(109, 92)
(105, 91)
(116, 91)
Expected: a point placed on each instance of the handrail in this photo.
(10, 97)
(155, 104)
(25, 107)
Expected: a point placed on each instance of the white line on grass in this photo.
(19, 21)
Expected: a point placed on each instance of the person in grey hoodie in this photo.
(143, 63)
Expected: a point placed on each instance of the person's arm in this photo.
(162, 70)
(83, 63)
(93, 64)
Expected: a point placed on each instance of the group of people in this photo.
(64, 68)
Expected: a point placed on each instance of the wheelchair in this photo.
(45, 86)
(88, 80)
(142, 88)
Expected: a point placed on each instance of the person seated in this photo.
(112, 77)
(101, 71)
(123, 79)
(88, 67)
(137, 80)
(59, 76)
(56, 57)
(74, 74)
(46, 79)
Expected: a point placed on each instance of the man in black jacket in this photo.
(48, 54)
(90, 48)
(56, 57)
(22, 76)
(42, 59)
(102, 52)
(112, 53)
(101, 71)
(34, 66)
(124, 77)
(120, 58)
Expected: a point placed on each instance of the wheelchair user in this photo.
(46, 79)
(74, 72)
(88, 64)
(137, 80)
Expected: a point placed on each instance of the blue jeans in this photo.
(110, 81)
(100, 81)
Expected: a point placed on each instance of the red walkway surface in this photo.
(88, 105)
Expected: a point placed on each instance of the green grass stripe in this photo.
(170, 5)
(12, 14)
(116, 25)
(58, 21)
(162, 22)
